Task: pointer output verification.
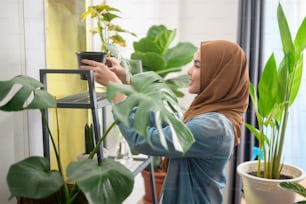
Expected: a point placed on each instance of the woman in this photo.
(219, 78)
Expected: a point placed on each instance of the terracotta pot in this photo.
(159, 180)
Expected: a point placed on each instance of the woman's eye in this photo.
(197, 64)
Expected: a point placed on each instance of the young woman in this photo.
(219, 78)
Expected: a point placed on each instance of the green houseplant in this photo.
(105, 182)
(156, 55)
(277, 89)
(108, 32)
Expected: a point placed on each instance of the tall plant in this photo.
(277, 89)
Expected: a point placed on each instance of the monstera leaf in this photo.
(24, 92)
(150, 94)
(107, 182)
(32, 178)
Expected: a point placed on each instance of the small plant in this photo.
(296, 187)
(277, 90)
(89, 138)
(156, 55)
(109, 33)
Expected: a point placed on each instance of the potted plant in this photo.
(104, 182)
(156, 55)
(277, 89)
(108, 32)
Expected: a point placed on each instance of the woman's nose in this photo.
(189, 71)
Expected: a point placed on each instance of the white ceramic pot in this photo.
(266, 191)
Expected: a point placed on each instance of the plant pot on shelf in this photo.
(159, 180)
(96, 56)
(266, 191)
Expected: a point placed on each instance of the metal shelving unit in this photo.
(93, 101)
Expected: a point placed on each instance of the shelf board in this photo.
(82, 100)
(135, 165)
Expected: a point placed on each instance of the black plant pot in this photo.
(96, 56)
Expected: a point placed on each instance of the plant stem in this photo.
(94, 151)
(59, 165)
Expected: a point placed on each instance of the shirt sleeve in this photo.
(212, 132)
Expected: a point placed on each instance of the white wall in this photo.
(22, 52)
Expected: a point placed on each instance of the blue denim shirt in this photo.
(198, 176)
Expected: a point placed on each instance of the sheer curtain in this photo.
(250, 39)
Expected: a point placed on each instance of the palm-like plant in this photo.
(277, 90)
(104, 182)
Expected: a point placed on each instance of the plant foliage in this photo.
(277, 90)
(150, 94)
(32, 177)
(296, 187)
(105, 182)
(108, 32)
(156, 55)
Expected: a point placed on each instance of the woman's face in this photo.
(194, 74)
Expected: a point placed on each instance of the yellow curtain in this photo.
(65, 34)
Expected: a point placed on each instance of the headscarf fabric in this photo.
(224, 83)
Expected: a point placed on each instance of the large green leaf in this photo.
(296, 187)
(300, 40)
(296, 79)
(151, 61)
(166, 71)
(285, 34)
(180, 55)
(150, 94)
(162, 36)
(146, 45)
(268, 87)
(164, 39)
(24, 92)
(109, 182)
(155, 30)
(180, 80)
(32, 178)
(254, 97)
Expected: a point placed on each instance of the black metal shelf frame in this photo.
(94, 101)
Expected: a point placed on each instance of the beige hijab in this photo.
(224, 83)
